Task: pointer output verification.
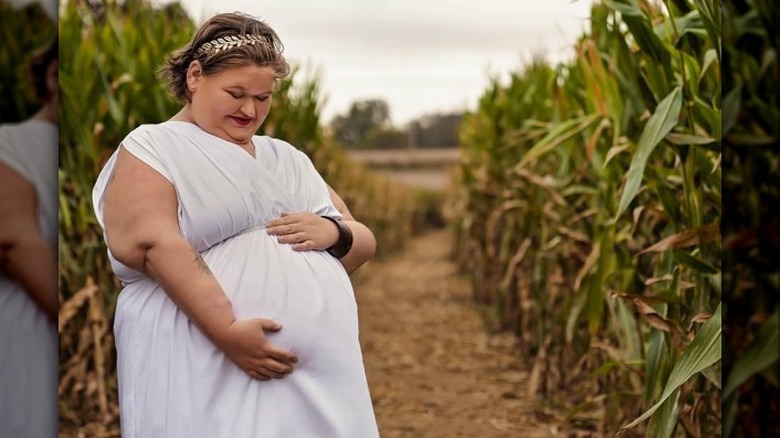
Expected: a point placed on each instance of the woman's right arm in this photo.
(26, 255)
(142, 232)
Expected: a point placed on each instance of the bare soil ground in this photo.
(432, 368)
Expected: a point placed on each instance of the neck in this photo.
(47, 113)
(184, 115)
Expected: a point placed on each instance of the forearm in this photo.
(183, 274)
(363, 246)
(32, 262)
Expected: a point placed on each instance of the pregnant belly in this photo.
(309, 292)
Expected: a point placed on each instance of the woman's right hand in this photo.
(245, 344)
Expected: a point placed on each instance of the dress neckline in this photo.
(229, 144)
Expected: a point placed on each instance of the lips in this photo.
(241, 121)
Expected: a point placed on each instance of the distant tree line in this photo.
(367, 125)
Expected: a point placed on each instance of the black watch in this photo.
(344, 244)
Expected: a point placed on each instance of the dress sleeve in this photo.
(13, 158)
(144, 146)
(140, 144)
(319, 201)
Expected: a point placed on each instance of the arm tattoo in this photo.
(201, 263)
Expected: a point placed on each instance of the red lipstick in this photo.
(241, 121)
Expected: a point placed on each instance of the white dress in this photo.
(28, 340)
(173, 382)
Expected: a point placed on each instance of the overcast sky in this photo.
(421, 56)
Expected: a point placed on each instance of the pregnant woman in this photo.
(237, 317)
(28, 261)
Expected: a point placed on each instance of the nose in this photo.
(248, 108)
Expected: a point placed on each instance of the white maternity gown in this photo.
(173, 382)
(28, 340)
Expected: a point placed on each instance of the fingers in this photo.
(263, 372)
(269, 373)
(304, 246)
(285, 219)
(269, 325)
(290, 222)
(295, 237)
(280, 355)
(274, 353)
(256, 375)
(277, 369)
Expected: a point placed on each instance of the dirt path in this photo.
(432, 368)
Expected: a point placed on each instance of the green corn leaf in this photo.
(730, 415)
(709, 57)
(663, 423)
(694, 263)
(624, 9)
(646, 39)
(709, 11)
(762, 353)
(558, 135)
(660, 124)
(704, 351)
(731, 105)
(687, 139)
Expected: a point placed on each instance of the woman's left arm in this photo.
(306, 232)
(363, 241)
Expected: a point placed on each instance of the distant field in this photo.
(424, 168)
(407, 157)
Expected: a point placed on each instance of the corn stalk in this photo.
(589, 212)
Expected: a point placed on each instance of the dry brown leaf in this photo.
(584, 214)
(705, 233)
(587, 266)
(514, 262)
(686, 285)
(69, 308)
(534, 381)
(576, 235)
(654, 280)
(637, 213)
(700, 318)
(611, 351)
(591, 146)
(613, 151)
(651, 316)
(99, 330)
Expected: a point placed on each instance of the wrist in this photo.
(220, 333)
(334, 236)
(344, 243)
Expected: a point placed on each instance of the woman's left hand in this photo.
(304, 231)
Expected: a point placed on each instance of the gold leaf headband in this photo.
(230, 42)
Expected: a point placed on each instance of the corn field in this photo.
(588, 206)
(589, 217)
(751, 233)
(109, 54)
(22, 31)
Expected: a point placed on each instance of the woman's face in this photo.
(233, 103)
